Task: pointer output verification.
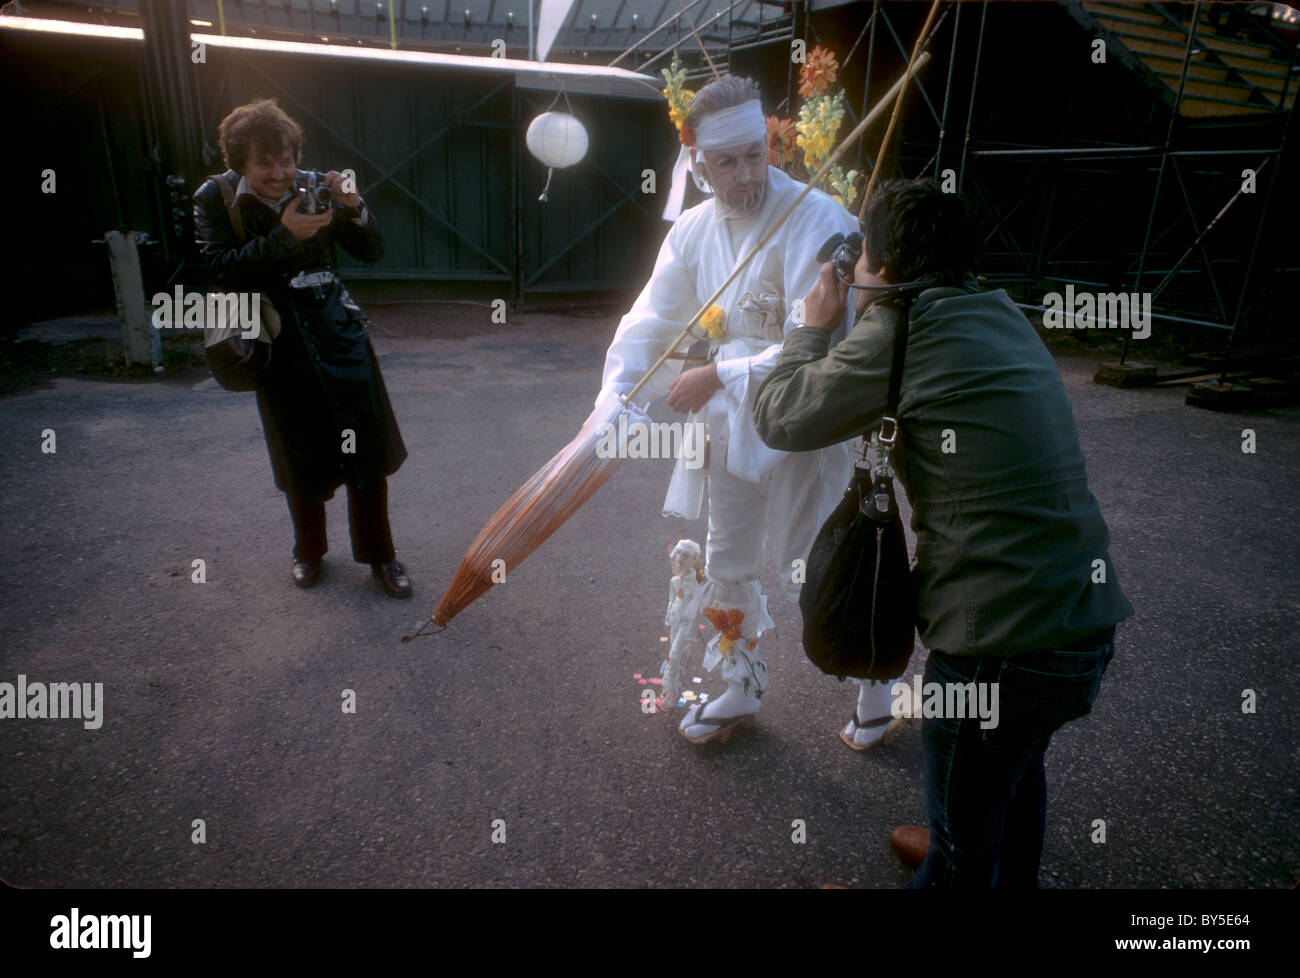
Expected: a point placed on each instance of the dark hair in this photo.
(260, 125)
(913, 229)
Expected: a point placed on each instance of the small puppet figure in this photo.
(682, 617)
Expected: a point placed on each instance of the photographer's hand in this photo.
(304, 226)
(823, 307)
(334, 180)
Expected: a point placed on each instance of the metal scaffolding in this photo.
(1175, 153)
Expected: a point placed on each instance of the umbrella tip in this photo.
(420, 631)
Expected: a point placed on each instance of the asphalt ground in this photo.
(222, 700)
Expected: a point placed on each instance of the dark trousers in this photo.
(372, 540)
(985, 788)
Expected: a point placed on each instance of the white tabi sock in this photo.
(874, 700)
(733, 703)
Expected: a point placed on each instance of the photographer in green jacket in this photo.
(1014, 581)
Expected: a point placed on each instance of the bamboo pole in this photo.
(921, 40)
(667, 21)
(700, 41)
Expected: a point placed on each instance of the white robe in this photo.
(696, 257)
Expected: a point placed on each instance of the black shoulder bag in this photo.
(858, 606)
(237, 361)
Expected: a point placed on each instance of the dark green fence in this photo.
(439, 154)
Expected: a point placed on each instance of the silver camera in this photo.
(319, 196)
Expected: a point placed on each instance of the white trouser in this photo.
(800, 496)
(778, 515)
(739, 536)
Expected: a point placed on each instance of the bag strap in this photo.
(226, 181)
(888, 431)
(896, 371)
(876, 486)
(228, 195)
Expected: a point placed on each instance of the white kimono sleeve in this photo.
(664, 306)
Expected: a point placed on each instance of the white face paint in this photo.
(738, 175)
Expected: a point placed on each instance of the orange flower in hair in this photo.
(687, 136)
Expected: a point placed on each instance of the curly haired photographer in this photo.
(324, 408)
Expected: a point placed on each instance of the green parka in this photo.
(1012, 552)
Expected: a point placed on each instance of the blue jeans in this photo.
(985, 789)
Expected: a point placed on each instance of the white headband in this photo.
(738, 125)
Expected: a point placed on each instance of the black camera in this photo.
(319, 196)
(842, 251)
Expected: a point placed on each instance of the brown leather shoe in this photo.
(306, 572)
(910, 843)
(393, 578)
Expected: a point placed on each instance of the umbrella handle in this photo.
(876, 111)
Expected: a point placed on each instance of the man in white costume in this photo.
(761, 501)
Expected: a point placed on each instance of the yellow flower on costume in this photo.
(725, 645)
(713, 322)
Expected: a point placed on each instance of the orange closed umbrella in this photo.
(537, 509)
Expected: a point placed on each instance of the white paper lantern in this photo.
(558, 140)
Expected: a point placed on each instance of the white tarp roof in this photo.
(577, 78)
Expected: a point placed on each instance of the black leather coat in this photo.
(323, 377)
